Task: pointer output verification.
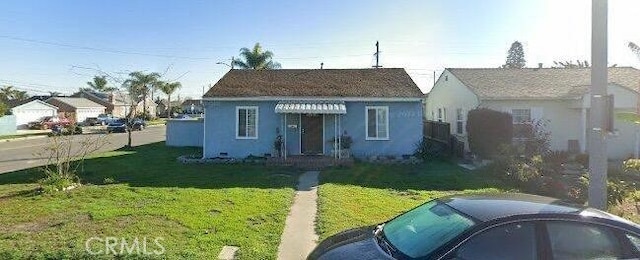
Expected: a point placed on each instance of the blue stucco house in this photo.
(246, 111)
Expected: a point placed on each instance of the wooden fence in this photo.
(441, 132)
(437, 131)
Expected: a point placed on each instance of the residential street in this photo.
(22, 154)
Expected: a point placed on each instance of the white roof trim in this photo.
(292, 98)
(303, 107)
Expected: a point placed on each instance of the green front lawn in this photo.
(368, 194)
(146, 193)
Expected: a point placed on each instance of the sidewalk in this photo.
(299, 236)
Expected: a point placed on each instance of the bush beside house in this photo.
(487, 130)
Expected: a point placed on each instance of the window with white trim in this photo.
(522, 115)
(459, 121)
(521, 122)
(440, 115)
(247, 122)
(377, 123)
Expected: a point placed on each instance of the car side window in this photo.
(573, 240)
(511, 241)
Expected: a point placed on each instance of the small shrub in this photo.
(538, 138)
(428, 149)
(55, 183)
(555, 159)
(4, 109)
(583, 159)
(108, 180)
(617, 191)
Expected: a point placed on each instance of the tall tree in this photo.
(256, 59)
(142, 83)
(136, 90)
(10, 93)
(515, 57)
(99, 84)
(168, 88)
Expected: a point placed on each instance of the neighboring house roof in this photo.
(17, 104)
(383, 82)
(100, 98)
(543, 83)
(71, 103)
(195, 102)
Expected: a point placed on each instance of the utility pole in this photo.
(598, 117)
(377, 54)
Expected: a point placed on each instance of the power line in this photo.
(100, 49)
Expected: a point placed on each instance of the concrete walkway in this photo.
(299, 236)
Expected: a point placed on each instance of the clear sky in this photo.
(58, 45)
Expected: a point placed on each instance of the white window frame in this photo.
(521, 109)
(460, 119)
(238, 108)
(366, 123)
(518, 122)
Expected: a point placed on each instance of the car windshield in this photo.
(420, 231)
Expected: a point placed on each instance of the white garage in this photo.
(32, 111)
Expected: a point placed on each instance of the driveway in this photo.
(18, 155)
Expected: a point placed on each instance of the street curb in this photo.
(24, 138)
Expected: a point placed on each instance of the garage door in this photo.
(83, 113)
(24, 116)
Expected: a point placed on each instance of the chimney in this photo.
(111, 99)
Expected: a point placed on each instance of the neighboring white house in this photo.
(75, 108)
(558, 96)
(31, 110)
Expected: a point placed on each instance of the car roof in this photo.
(487, 207)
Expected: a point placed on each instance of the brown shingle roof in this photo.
(385, 82)
(545, 83)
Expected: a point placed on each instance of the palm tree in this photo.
(168, 88)
(10, 93)
(99, 83)
(142, 84)
(256, 59)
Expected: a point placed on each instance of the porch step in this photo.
(309, 162)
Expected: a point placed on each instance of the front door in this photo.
(311, 132)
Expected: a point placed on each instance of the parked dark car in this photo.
(90, 121)
(120, 125)
(509, 226)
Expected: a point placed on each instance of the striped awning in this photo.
(311, 107)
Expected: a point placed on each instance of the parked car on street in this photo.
(508, 226)
(105, 119)
(49, 122)
(120, 125)
(90, 121)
